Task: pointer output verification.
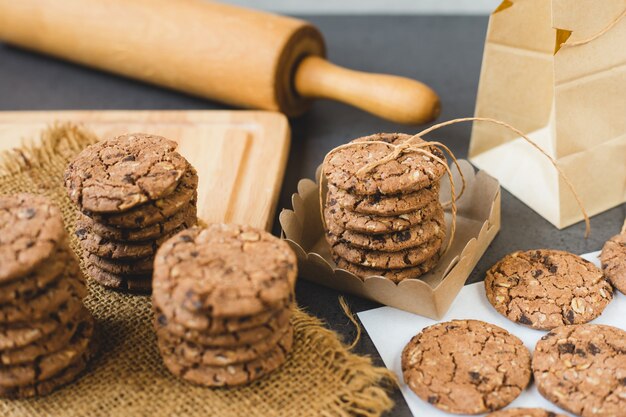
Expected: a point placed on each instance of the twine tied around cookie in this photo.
(604, 30)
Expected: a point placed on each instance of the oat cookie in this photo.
(395, 275)
(466, 366)
(157, 211)
(525, 412)
(545, 288)
(255, 329)
(31, 227)
(116, 175)
(229, 375)
(228, 270)
(384, 205)
(373, 224)
(134, 283)
(582, 369)
(388, 242)
(613, 259)
(409, 172)
(389, 260)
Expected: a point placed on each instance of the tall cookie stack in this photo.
(223, 300)
(133, 192)
(45, 331)
(385, 219)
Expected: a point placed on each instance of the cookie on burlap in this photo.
(613, 259)
(131, 267)
(374, 224)
(31, 228)
(395, 275)
(388, 242)
(384, 205)
(525, 412)
(408, 172)
(466, 366)
(545, 288)
(187, 216)
(116, 175)
(389, 260)
(228, 375)
(141, 284)
(582, 369)
(228, 270)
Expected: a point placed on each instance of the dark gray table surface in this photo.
(443, 52)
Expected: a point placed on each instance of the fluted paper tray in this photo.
(478, 222)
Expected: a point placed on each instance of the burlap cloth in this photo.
(127, 378)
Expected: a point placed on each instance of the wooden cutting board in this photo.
(240, 155)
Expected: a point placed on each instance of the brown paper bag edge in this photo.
(478, 222)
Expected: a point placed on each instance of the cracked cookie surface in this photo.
(118, 174)
(582, 369)
(224, 270)
(31, 228)
(613, 259)
(408, 172)
(525, 412)
(395, 275)
(466, 366)
(545, 288)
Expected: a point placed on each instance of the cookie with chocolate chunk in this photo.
(116, 175)
(613, 259)
(525, 412)
(582, 369)
(466, 366)
(407, 172)
(395, 275)
(544, 289)
(31, 228)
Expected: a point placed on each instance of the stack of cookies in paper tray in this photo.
(223, 299)
(133, 193)
(45, 331)
(383, 216)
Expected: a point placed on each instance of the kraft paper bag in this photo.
(555, 69)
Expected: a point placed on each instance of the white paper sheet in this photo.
(391, 329)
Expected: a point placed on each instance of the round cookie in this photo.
(228, 338)
(466, 366)
(116, 175)
(39, 278)
(16, 335)
(544, 288)
(229, 375)
(31, 228)
(525, 412)
(141, 266)
(389, 242)
(613, 259)
(384, 205)
(582, 369)
(133, 283)
(408, 172)
(226, 270)
(54, 342)
(157, 211)
(194, 354)
(388, 260)
(373, 224)
(395, 275)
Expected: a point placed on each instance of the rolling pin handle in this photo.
(394, 98)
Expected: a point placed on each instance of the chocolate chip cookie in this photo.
(228, 270)
(133, 283)
(525, 412)
(613, 259)
(408, 172)
(582, 369)
(466, 366)
(395, 275)
(132, 267)
(544, 289)
(31, 228)
(384, 205)
(118, 174)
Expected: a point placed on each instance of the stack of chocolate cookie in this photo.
(133, 192)
(385, 219)
(222, 297)
(45, 331)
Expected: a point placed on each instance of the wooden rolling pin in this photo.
(226, 53)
